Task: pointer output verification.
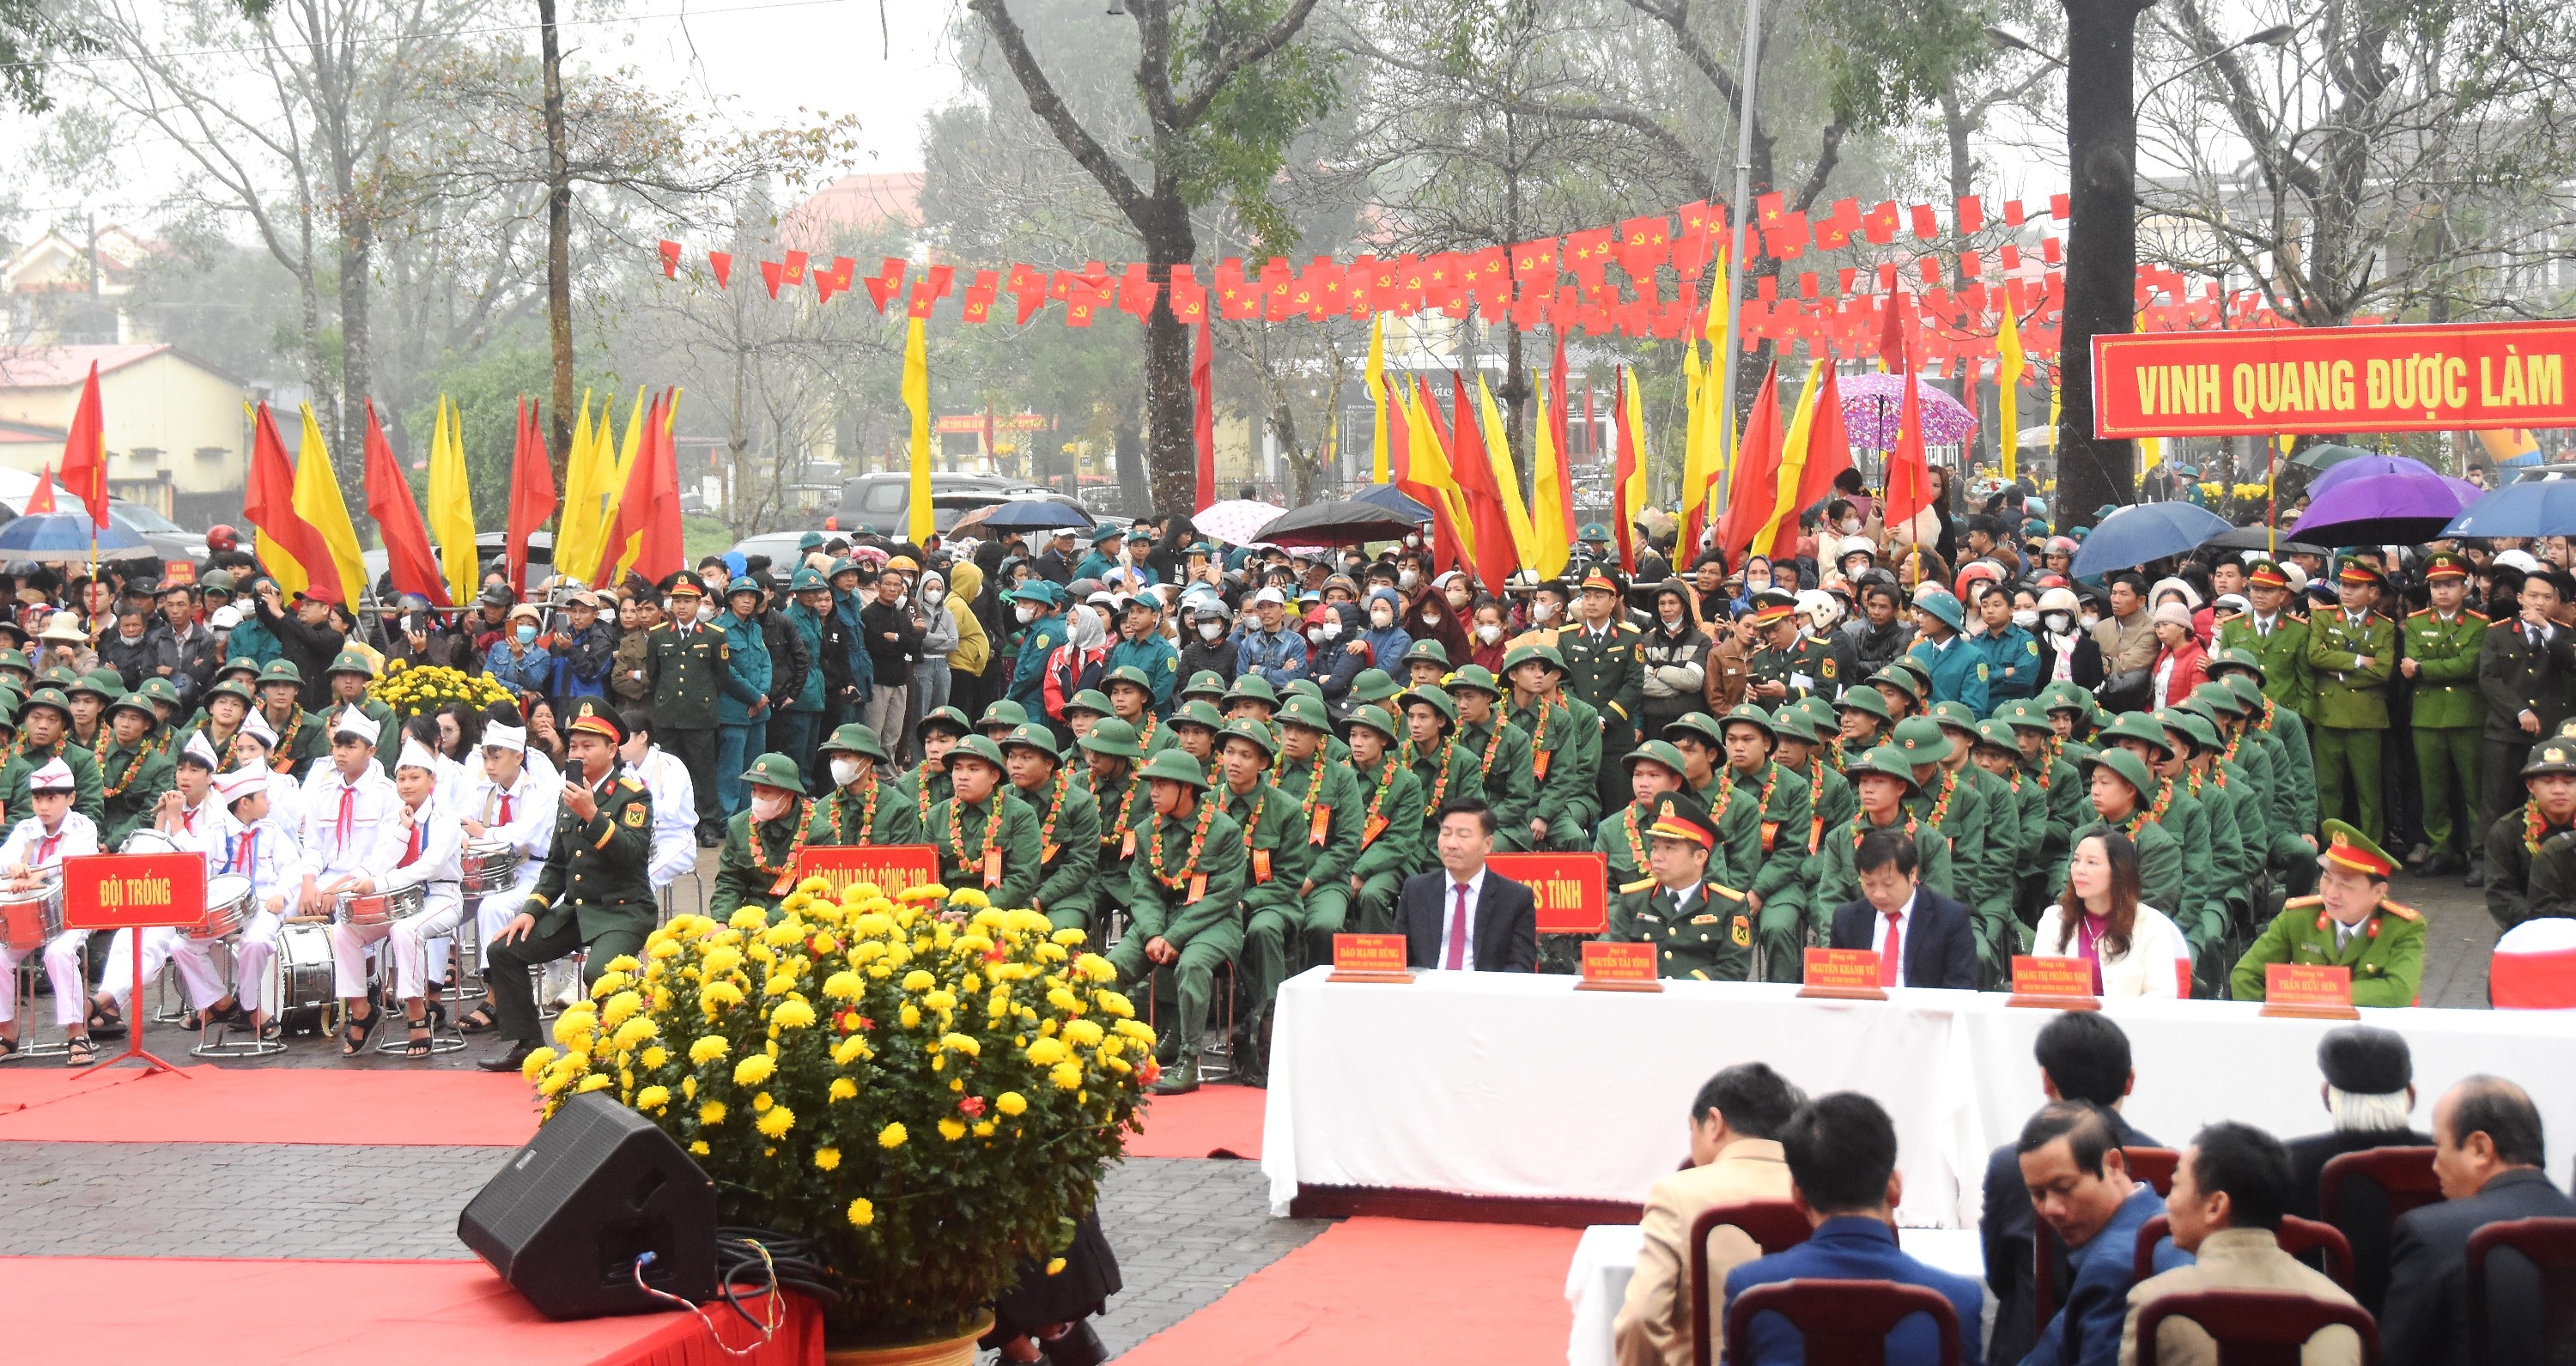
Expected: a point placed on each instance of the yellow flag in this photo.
(576, 529)
(1381, 466)
(1429, 466)
(2010, 361)
(1793, 457)
(1551, 522)
(318, 502)
(612, 490)
(451, 503)
(1632, 496)
(1695, 473)
(1498, 457)
(916, 396)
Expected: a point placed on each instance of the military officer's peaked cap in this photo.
(2353, 851)
(2445, 564)
(1772, 605)
(592, 715)
(1676, 820)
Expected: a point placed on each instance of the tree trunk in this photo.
(558, 234)
(2101, 243)
(1171, 409)
(1127, 454)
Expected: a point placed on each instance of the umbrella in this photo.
(1024, 514)
(2141, 532)
(1393, 499)
(2530, 507)
(1873, 404)
(1344, 521)
(2325, 457)
(64, 537)
(2365, 467)
(2385, 509)
(1236, 520)
(2262, 538)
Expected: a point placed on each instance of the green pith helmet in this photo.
(1114, 737)
(856, 738)
(1037, 738)
(1174, 766)
(775, 770)
(2131, 768)
(1250, 732)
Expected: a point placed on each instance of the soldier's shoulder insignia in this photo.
(628, 782)
(1742, 933)
(1723, 890)
(2302, 902)
(1981, 671)
(2402, 912)
(1829, 666)
(636, 816)
(1632, 888)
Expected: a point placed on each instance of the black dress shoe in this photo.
(508, 1059)
(2477, 876)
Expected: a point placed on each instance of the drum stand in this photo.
(222, 1045)
(29, 973)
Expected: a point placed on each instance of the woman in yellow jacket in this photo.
(974, 648)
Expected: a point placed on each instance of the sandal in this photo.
(353, 1035)
(106, 1022)
(8, 1048)
(80, 1052)
(482, 1021)
(418, 1045)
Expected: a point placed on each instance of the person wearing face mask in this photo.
(1676, 660)
(931, 676)
(757, 866)
(1387, 639)
(1205, 643)
(521, 664)
(1337, 651)
(2009, 652)
(742, 713)
(1487, 634)
(1439, 613)
(1076, 665)
(865, 805)
(2067, 652)
(1038, 606)
(685, 664)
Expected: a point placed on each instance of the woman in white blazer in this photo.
(2132, 946)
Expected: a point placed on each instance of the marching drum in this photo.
(228, 906)
(490, 866)
(303, 967)
(378, 908)
(147, 840)
(29, 918)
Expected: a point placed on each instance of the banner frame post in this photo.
(134, 1048)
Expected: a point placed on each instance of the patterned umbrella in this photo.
(1237, 521)
(1872, 404)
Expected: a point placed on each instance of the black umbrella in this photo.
(2261, 538)
(1343, 521)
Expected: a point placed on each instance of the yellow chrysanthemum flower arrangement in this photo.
(414, 689)
(926, 1085)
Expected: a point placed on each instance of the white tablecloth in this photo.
(1510, 1084)
(1597, 1281)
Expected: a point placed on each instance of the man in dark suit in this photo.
(1923, 939)
(2487, 1151)
(2370, 1090)
(2527, 678)
(1465, 917)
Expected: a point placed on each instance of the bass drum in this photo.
(301, 979)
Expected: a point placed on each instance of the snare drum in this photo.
(28, 919)
(378, 908)
(490, 866)
(304, 969)
(228, 907)
(147, 840)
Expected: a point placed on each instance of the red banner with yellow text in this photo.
(2328, 380)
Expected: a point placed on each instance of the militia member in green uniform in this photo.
(1505, 768)
(1700, 927)
(1186, 897)
(1884, 781)
(1790, 664)
(1390, 799)
(1605, 665)
(2352, 652)
(301, 736)
(684, 667)
(863, 806)
(1952, 805)
(986, 838)
(132, 771)
(1329, 811)
(1277, 857)
(1767, 853)
(1119, 800)
(1656, 770)
(596, 892)
(2448, 716)
(2349, 923)
(1565, 748)
(1068, 828)
(1443, 770)
(1131, 699)
(2276, 641)
(2063, 797)
(2525, 838)
(227, 703)
(757, 866)
(347, 681)
(2126, 797)
(44, 725)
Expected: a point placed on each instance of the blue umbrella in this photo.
(58, 536)
(2531, 507)
(2145, 531)
(1394, 500)
(2365, 466)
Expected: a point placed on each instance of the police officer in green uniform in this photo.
(1390, 816)
(301, 735)
(1277, 857)
(1700, 928)
(1565, 748)
(1883, 779)
(864, 805)
(1186, 896)
(1790, 664)
(2352, 652)
(44, 730)
(757, 866)
(132, 771)
(346, 682)
(1443, 770)
(2349, 923)
(1068, 828)
(986, 838)
(2275, 640)
(1605, 666)
(2448, 716)
(684, 669)
(1329, 809)
(1119, 800)
(1505, 768)
(595, 893)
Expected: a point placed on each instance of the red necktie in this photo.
(348, 812)
(411, 848)
(242, 852)
(45, 849)
(1457, 955)
(505, 808)
(1889, 957)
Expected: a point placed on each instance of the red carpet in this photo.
(1213, 1121)
(267, 1105)
(341, 1313)
(1391, 1291)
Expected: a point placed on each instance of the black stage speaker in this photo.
(569, 1213)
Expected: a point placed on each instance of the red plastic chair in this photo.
(1846, 1323)
(2257, 1327)
(2404, 1180)
(2551, 1246)
(2297, 1236)
(1773, 1225)
(2154, 1166)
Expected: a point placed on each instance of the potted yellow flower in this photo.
(926, 1087)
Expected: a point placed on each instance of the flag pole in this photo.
(1739, 236)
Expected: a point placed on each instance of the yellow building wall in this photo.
(164, 403)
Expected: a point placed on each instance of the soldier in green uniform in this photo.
(2247, 764)
(1766, 854)
(1110, 755)
(132, 771)
(1565, 748)
(1086, 709)
(44, 722)
(1799, 747)
(1329, 809)
(2125, 797)
(1277, 858)
(2352, 652)
(2349, 923)
(1884, 781)
(864, 806)
(1194, 728)
(1251, 699)
(684, 667)
(1426, 662)
(346, 684)
(1390, 805)
(89, 695)
(1997, 750)
(301, 736)
(1186, 895)
(986, 838)
(1068, 828)
(2448, 717)
(2071, 717)
(2000, 825)
(1373, 687)
(1899, 688)
(2275, 640)
(757, 866)
(1443, 770)
(1206, 685)
(1131, 699)
(2062, 796)
(1605, 666)
(2221, 893)
(1790, 664)
(927, 785)
(1951, 804)
(1700, 928)
(2182, 816)
(596, 892)
(1001, 718)
(1505, 768)
(2282, 735)
(1656, 770)
(2522, 839)
(1862, 721)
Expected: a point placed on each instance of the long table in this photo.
(1521, 1087)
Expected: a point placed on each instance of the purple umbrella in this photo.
(2364, 467)
(2385, 509)
(1874, 403)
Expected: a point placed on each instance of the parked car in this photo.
(488, 547)
(884, 501)
(163, 539)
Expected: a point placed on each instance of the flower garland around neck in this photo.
(1190, 864)
(783, 874)
(867, 812)
(1440, 784)
(955, 841)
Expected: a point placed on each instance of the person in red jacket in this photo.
(2182, 662)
